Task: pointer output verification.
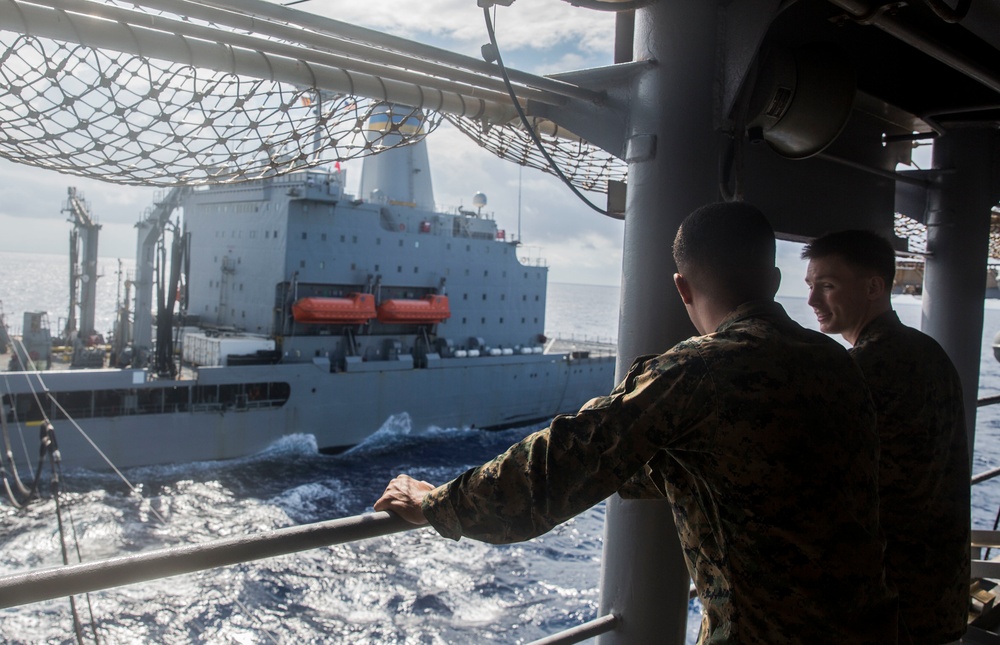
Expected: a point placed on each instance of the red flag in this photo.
(336, 166)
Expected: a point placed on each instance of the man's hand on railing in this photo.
(403, 496)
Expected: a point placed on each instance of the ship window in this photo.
(448, 246)
(376, 267)
(536, 297)
(536, 320)
(244, 314)
(322, 237)
(522, 321)
(322, 264)
(399, 269)
(466, 272)
(305, 235)
(267, 235)
(354, 266)
(463, 320)
(241, 286)
(354, 239)
(484, 296)
(302, 264)
(505, 274)
(486, 273)
(465, 296)
(503, 296)
(276, 235)
(210, 285)
(501, 320)
(344, 239)
(483, 321)
(378, 241)
(524, 298)
(239, 260)
(416, 269)
(525, 274)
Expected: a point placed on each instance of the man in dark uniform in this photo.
(760, 433)
(924, 464)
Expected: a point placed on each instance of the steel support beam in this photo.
(672, 171)
(958, 226)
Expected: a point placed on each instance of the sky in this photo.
(539, 36)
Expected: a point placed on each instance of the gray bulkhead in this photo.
(259, 247)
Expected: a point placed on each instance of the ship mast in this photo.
(83, 271)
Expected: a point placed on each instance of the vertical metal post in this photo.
(672, 171)
(958, 223)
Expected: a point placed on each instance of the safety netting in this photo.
(132, 120)
(916, 234)
(585, 165)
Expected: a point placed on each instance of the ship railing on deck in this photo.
(58, 582)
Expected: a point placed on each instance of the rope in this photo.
(49, 446)
(527, 126)
(20, 432)
(76, 541)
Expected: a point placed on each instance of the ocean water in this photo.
(408, 588)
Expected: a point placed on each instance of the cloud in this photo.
(458, 25)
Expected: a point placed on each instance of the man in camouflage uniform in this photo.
(924, 464)
(760, 433)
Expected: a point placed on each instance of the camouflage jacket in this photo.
(762, 437)
(923, 476)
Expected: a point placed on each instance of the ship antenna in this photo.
(520, 171)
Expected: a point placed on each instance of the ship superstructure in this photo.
(310, 310)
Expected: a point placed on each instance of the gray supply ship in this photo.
(308, 310)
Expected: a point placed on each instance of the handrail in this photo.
(58, 582)
(581, 632)
(988, 400)
(985, 476)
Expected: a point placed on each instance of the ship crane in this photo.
(151, 229)
(82, 271)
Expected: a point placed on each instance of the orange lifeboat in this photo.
(355, 309)
(425, 311)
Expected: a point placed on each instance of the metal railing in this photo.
(589, 629)
(58, 582)
(985, 568)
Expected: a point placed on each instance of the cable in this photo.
(527, 125)
(946, 13)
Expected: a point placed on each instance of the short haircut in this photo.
(727, 249)
(863, 250)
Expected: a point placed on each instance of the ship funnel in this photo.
(401, 175)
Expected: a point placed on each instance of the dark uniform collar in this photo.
(881, 322)
(753, 309)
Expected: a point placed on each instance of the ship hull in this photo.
(166, 421)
